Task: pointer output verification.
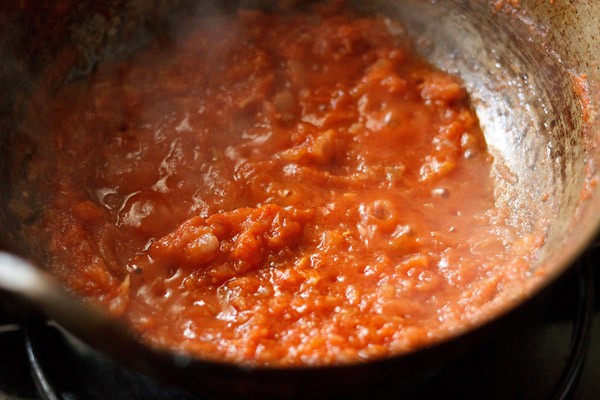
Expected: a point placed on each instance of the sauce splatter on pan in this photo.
(292, 189)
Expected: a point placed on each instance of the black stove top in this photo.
(553, 352)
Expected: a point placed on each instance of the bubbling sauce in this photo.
(278, 189)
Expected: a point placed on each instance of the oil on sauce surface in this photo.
(278, 190)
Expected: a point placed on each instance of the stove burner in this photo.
(71, 371)
(582, 332)
(541, 358)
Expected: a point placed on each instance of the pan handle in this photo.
(22, 289)
(32, 291)
(35, 288)
(21, 277)
(42, 294)
(28, 290)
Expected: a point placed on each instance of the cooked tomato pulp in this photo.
(278, 190)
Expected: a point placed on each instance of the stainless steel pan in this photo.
(532, 68)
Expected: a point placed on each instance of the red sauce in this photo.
(278, 190)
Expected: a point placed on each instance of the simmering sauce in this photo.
(278, 189)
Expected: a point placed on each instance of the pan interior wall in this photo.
(521, 88)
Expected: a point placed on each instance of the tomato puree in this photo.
(278, 189)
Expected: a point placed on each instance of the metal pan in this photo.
(533, 71)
